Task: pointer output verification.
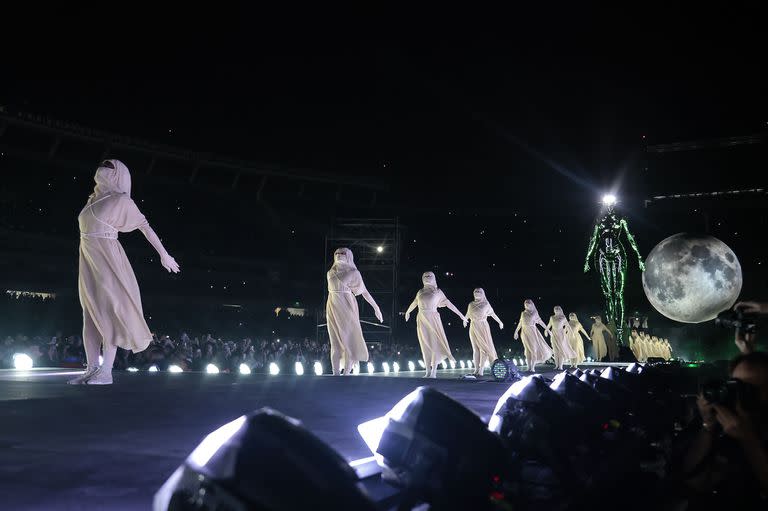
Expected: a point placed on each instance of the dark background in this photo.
(494, 146)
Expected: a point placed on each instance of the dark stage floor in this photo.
(69, 447)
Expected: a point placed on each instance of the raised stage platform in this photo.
(68, 447)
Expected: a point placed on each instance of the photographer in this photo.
(747, 343)
(728, 457)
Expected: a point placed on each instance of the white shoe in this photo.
(80, 380)
(100, 378)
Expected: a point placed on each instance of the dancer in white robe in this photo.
(599, 333)
(634, 344)
(429, 326)
(483, 350)
(537, 351)
(109, 294)
(560, 331)
(577, 344)
(345, 284)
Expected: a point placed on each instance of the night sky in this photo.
(495, 145)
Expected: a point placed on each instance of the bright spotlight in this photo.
(133, 370)
(371, 369)
(469, 364)
(609, 199)
(22, 361)
(421, 363)
(462, 364)
(442, 365)
(411, 366)
(175, 369)
(153, 369)
(299, 368)
(396, 367)
(453, 364)
(385, 367)
(318, 369)
(273, 369)
(211, 369)
(244, 369)
(379, 249)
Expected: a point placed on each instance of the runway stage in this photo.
(68, 447)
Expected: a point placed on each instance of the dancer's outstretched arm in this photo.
(519, 326)
(494, 316)
(547, 327)
(168, 262)
(411, 307)
(368, 298)
(452, 308)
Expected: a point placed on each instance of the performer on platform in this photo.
(598, 334)
(478, 312)
(109, 294)
(537, 351)
(560, 331)
(345, 284)
(577, 344)
(429, 326)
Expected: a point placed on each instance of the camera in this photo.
(729, 393)
(736, 320)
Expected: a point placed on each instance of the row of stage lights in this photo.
(23, 362)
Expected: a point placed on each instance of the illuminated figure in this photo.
(537, 351)
(560, 333)
(478, 313)
(109, 294)
(577, 344)
(345, 284)
(599, 333)
(669, 348)
(634, 344)
(429, 326)
(610, 258)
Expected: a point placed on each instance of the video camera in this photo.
(736, 320)
(729, 393)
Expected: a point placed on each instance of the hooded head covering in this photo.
(343, 256)
(558, 311)
(572, 316)
(479, 294)
(529, 306)
(597, 319)
(112, 176)
(428, 279)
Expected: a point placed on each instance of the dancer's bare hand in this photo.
(170, 264)
(377, 312)
(407, 316)
(501, 326)
(515, 336)
(464, 322)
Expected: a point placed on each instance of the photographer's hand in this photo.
(752, 307)
(747, 343)
(736, 424)
(707, 412)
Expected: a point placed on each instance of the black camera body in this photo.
(729, 393)
(736, 320)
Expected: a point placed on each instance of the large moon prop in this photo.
(691, 278)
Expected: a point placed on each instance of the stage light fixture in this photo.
(609, 199)
(299, 368)
(437, 449)
(22, 362)
(132, 370)
(318, 369)
(175, 369)
(153, 369)
(274, 369)
(504, 370)
(421, 364)
(470, 364)
(371, 369)
(453, 364)
(379, 249)
(411, 366)
(395, 367)
(244, 369)
(462, 364)
(443, 365)
(263, 460)
(385, 367)
(211, 369)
